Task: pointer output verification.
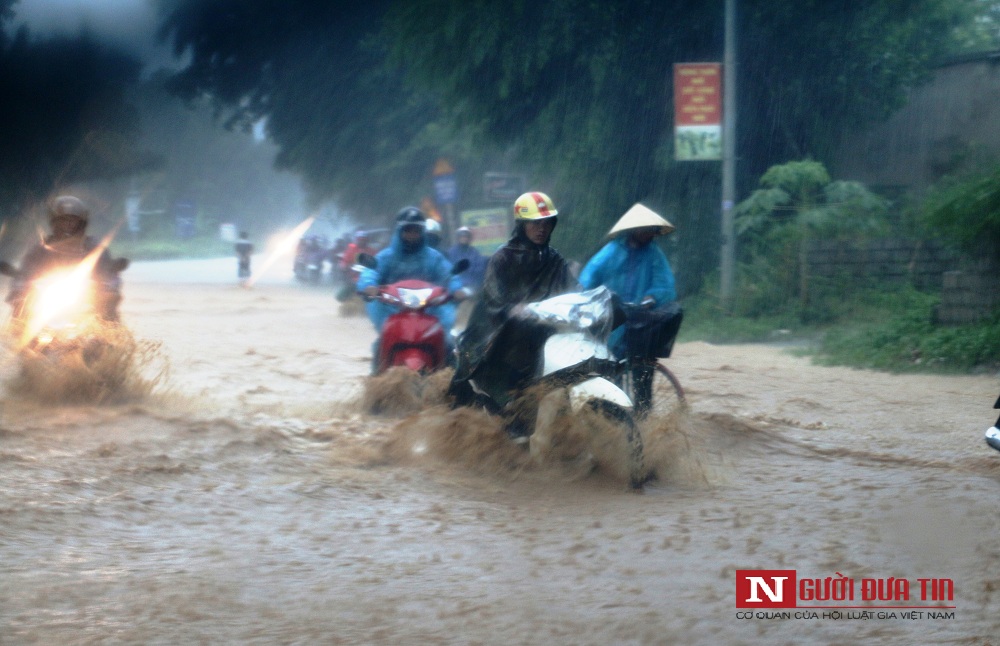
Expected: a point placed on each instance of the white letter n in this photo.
(775, 594)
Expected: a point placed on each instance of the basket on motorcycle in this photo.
(649, 333)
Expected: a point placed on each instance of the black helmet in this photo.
(68, 206)
(410, 215)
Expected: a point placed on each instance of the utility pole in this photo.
(727, 270)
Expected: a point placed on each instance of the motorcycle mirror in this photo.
(120, 264)
(367, 260)
(8, 269)
(460, 266)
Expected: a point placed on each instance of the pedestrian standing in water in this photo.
(244, 249)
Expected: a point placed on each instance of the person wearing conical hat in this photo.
(637, 271)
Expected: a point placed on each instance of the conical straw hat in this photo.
(639, 217)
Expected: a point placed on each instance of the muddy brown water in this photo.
(251, 499)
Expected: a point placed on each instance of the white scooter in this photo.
(577, 367)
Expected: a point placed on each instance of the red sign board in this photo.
(697, 111)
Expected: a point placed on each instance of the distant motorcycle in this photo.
(309, 258)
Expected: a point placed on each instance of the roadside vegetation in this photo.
(888, 326)
(201, 246)
(883, 328)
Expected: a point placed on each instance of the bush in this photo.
(881, 328)
(967, 212)
(171, 248)
(899, 336)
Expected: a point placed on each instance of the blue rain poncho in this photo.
(631, 273)
(396, 263)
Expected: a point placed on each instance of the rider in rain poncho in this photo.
(68, 244)
(409, 258)
(635, 269)
(525, 270)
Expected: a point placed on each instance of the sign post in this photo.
(502, 187)
(704, 131)
(697, 111)
(446, 191)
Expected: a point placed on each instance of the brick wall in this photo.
(921, 263)
(970, 294)
(970, 291)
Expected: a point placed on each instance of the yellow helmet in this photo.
(534, 206)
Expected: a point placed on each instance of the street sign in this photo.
(502, 187)
(446, 189)
(697, 111)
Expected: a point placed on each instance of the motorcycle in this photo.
(411, 337)
(309, 258)
(57, 314)
(575, 369)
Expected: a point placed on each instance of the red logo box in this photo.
(765, 588)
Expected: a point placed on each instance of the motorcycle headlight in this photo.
(414, 298)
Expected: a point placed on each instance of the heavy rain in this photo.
(205, 439)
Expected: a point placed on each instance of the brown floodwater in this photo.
(248, 496)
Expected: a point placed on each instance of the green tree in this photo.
(967, 212)
(229, 175)
(315, 73)
(796, 203)
(584, 88)
(576, 92)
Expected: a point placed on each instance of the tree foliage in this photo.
(967, 212)
(584, 87)
(65, 116)
(796, 203)
(229, 175)
(579, 92)
(316, 74)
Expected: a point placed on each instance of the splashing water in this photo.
(110, 366)
(283, 247)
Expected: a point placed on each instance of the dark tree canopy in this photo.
(65, 116)
(362, 97)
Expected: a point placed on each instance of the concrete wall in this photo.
(970, 291)
(969, 295)
(895, 259)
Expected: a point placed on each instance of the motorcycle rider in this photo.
(409, 257)
(67, 245)
(637, 270)
(433, 233)
(993, 433)
(525, 270)
(346, 261)
(463, 249)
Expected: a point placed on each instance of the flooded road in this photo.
(250, 499)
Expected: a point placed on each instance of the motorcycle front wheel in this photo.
(621, 416)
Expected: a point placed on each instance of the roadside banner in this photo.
(697, 111)
(502, 187)
(490, 228)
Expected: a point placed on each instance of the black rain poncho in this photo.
(519, 272)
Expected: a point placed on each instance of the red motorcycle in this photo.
(412, 337)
